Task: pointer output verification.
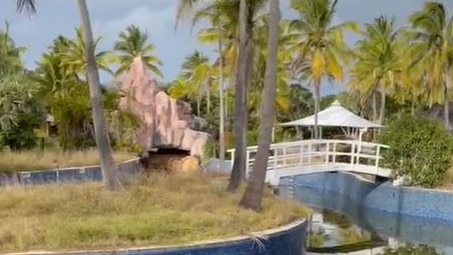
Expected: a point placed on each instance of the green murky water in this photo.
(340, 226)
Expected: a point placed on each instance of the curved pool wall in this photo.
(128, 170)
(286, 240)
(433, 204)
(383, 224)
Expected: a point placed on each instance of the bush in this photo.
(411, 250)
(209, 151)
(420, 148)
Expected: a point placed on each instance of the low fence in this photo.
(127, 169)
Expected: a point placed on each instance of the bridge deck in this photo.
(315, 156)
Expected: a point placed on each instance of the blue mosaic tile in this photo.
(435, 204)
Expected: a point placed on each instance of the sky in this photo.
(157, 17)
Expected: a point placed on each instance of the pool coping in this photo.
(257, 235)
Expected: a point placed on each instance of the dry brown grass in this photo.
(162, 210)
(35, 160)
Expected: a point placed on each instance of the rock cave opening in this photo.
(170, 160)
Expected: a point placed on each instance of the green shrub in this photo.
(209, 151)
(420, 148)
(411, 250)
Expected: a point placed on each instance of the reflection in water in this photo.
(371, 228)
(328, 229)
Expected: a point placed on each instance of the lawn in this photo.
(161, 210)
(49, 159)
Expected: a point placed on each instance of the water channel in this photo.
(341, 226)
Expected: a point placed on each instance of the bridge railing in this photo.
(317, 152)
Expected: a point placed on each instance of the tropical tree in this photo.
(378, 62)
(254, 192)
(20, 112)
(133, 43)
(27, 5)
(261, 35)
(243, 77)
(319, 44)
(65, 96)
(432, 48)
(223, 16)
(199, 74)
(76, 59)
(109, 169)
(10, 54)
(180, 89)
(243, 34)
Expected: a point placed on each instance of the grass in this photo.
(161, 210)
(49, 159)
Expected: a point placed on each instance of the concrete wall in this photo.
(128, 170)
(381, 196)
(287, 240)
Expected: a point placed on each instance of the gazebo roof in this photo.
(334, 116)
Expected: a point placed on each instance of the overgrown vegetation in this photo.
(20, 112)
(11, 161)
(420, 148)
(411, 250)
(160, 210)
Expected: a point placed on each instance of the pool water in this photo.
(341, 226)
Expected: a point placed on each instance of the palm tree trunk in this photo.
(109, 170)
(316, 93)
(221, 103)
(383, 97)
(225, 107)
(253, 195)
(240, 100)
(374, 98)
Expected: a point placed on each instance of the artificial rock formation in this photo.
(164, 121)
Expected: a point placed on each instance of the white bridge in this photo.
(316, 156)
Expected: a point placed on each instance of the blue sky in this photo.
(157, 17)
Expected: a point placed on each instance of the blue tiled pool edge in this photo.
(412, 201)
(128, 169)
(286, 240)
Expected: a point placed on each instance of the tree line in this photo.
(407, 68)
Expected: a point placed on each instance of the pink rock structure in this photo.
(164, 121)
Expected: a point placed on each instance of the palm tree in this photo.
(10, 54)
(198, 72)
(379, 62)
(76, 58)
(320, 43)
(109, 169)
(244, 74)
(27, 5)
(182, 89)
(253, 195)
(432, 48)
(245, 11)
(222, 33)
(15, 92)
(282, 101)
(66, 97)
(133, 43)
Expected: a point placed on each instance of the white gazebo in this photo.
(337, 116)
